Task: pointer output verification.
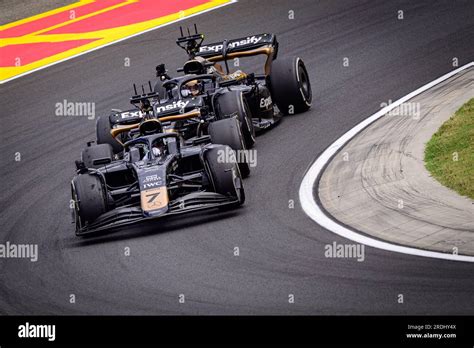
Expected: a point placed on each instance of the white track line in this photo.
(312, 209)
(114, 42)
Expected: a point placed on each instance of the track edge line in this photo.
(317, 214)
(114, 42)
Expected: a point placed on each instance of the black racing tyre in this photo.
(89, 194)
(290, 86)
(103, 128)
(227, 132)
(225, 176)
(96, 156)
(235, 102)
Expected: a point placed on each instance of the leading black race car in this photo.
(284, 82)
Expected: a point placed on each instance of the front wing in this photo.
(128, 215)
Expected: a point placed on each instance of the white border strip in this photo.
(312, 209)
(114, 42)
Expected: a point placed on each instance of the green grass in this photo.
(456, 135)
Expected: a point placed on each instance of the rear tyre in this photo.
(103, 128)
(89, 194)
(235, 102)
(290, 86)
(225, 176)
(227, 132)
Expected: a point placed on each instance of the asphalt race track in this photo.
(281, 249)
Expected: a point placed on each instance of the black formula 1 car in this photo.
(157, 176)
(284, 82)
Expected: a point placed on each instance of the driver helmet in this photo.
(157, 151)
(194, 87)
(158, 147)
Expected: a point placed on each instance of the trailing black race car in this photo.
(156, 177)
(284, 82)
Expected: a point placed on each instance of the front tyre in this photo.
(88, 193)
(290, 86)
(228, 132)
(224, 175)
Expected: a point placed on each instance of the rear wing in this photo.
(266, 44)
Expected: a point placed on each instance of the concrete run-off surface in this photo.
(378, 183)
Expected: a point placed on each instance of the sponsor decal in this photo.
(174, 165)
(151, 181)
(154, 198)
(176, 105)
(152, 184)
(265, 103)
(129, 114)
(154, 177)
(250, 40)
